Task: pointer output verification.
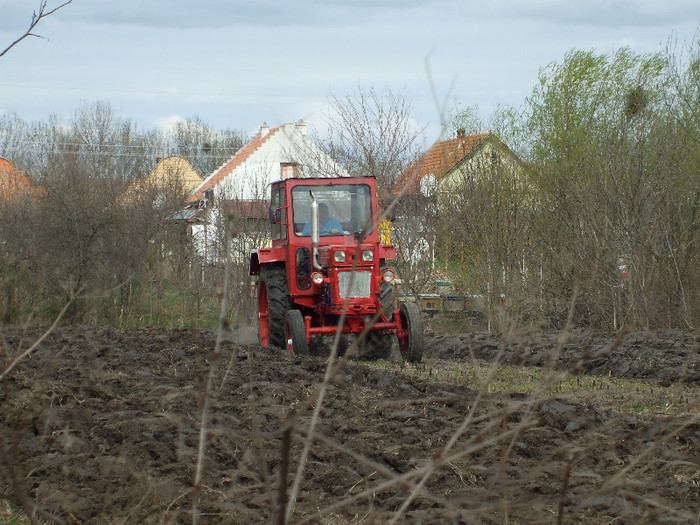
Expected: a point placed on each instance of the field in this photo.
(104, 426)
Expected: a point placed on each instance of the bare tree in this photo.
(373, 133)
(205, 147)
(37, 17)
(13, 137)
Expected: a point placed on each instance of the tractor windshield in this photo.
(343, 209)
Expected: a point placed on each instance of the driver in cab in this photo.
(327, 225)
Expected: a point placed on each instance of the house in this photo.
(449, 163)
(448, 169)
(172, 177)
(15, 185)
(235, 197)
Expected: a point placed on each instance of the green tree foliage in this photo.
(612, 189)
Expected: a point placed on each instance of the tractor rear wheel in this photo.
(273, 303)
(296, 334)
(411, 344)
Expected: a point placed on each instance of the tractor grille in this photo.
(360, 286)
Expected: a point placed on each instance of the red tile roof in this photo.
(239, 158)
(439, 160)
(14, 183)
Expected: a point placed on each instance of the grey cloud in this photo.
(608, 13)
(218, 13)
(184, 14)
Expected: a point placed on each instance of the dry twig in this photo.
(36, 18)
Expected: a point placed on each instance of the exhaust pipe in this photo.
(315, 237)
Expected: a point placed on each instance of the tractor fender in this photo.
(387, 251)
(263, 256)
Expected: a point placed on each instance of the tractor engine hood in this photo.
(348, 256)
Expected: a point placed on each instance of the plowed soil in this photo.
(105, 426)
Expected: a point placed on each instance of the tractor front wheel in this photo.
(411, 344)
(296, 334)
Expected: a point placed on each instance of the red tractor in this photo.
(326, 269)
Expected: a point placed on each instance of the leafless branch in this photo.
(29, 350)
(37, 16)
(204, 421)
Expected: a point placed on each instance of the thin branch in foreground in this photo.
(36, 18)
(204, 420)
(38, 341)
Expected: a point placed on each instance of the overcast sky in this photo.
(238, 64)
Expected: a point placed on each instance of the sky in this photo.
(237, 65)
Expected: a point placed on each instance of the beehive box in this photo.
(453, 303)
(430, 302)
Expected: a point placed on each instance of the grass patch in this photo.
(167, 305)
(632, 396)
(9, 515)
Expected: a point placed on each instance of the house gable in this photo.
(175, 171)
(269, 156)
(439, 160)
(491, 157)
(238, 160)
(456, 161)
(171, 174)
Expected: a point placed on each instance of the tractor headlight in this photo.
(317, 277)
(339, 256)
(388, 275)
(367, 255)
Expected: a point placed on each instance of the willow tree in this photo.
(683, 141)
(603, 153)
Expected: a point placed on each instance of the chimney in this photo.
(289, 170)
(461, 132)
(264, 129)
(301, 126)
